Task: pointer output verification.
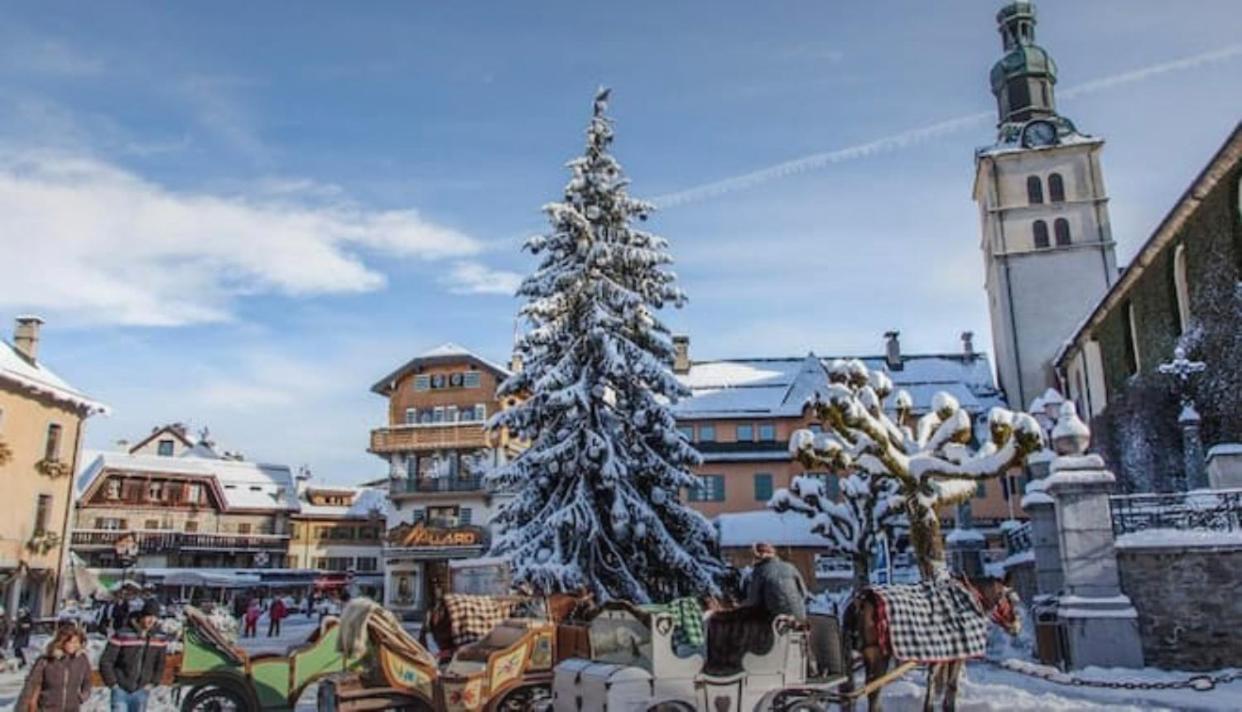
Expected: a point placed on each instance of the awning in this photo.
(434, 553)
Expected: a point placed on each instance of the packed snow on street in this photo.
(985, 688)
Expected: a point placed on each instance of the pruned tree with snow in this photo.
(598, 490)
(851, 528)
(930, 460)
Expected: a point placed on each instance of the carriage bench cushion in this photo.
(473, 617)
(930, 622)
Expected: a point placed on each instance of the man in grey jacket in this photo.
(775, 585)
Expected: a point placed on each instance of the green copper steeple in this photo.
(1023, 79)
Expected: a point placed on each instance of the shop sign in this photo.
(422, 536)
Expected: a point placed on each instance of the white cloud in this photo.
(48, 56)
(97, 244)
(469, 277)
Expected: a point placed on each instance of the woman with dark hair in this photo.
(60, 680)
(21, 635)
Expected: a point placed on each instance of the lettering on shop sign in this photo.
(420, 535)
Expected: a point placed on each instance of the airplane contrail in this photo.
(913, 137)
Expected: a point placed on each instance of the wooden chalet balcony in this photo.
(402, 438)
(151, 541)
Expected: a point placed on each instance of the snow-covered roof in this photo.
(447, 351)
(739, 529)
(780, 387)
(35, 376)
(243, 485)
(364, 501)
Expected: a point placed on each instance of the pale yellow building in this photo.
(41, 419)
(339, 531)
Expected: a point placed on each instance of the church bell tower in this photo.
(1046, 240)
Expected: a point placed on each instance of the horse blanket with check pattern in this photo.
(471, 617)
(928, 622)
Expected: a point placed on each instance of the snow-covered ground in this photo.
(984, 688)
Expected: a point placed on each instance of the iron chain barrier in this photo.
(1198, 683)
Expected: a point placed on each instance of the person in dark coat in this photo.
(60, 680)
(775, 585)
(133, 662)
(21, 635)
(274, 616)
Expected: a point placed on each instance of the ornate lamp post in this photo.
(1183, 369)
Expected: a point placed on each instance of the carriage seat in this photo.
(499, 638)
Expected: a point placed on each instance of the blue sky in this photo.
(242, 214)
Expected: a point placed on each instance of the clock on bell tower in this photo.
(1046, 239)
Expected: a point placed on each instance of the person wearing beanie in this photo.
(133, 662)
(775, 585)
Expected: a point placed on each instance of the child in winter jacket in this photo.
(60, 680)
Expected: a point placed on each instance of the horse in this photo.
(864, 630)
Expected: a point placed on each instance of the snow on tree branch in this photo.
(597, 492)
(930, 461)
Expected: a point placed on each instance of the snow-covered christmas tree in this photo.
(597, 492)
(852, 527)
(930, 461)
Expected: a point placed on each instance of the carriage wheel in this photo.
(214, 699)
(671, 707)
(524, 699)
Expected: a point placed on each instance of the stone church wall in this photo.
(1189, 602)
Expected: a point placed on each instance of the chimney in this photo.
(26, 336)
(681, 354)
(968, 344)
(892, 350)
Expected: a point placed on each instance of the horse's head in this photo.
(999, 601)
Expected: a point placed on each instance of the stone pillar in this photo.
(965, 552)
(1192, 449)
(1100, 623)
(15, 594)
(1041, 508)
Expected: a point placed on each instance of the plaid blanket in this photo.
(472, 617)
(929, 623)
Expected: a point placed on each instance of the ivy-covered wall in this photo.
(1137, 432)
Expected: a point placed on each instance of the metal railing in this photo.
(399, 485)
(1204, 510)
(157, 540)
(1018, 539)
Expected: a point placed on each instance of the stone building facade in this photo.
(1046, 237)
(41, 422)
(1180, 289)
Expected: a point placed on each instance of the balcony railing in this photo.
(428, 437)
(1215, 510)
(151, 541)
(409, 485)
(743, 446)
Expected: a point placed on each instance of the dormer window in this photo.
(165, 448)
(112, 490)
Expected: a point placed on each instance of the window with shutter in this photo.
(422, 383)
(463, 517)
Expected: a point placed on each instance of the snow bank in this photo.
(1180, 538)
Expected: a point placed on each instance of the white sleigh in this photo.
(633, 667)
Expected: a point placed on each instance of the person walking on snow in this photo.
(133, 663)
(274, 616)
(21, 635)
(252, 620)
(60, 680)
